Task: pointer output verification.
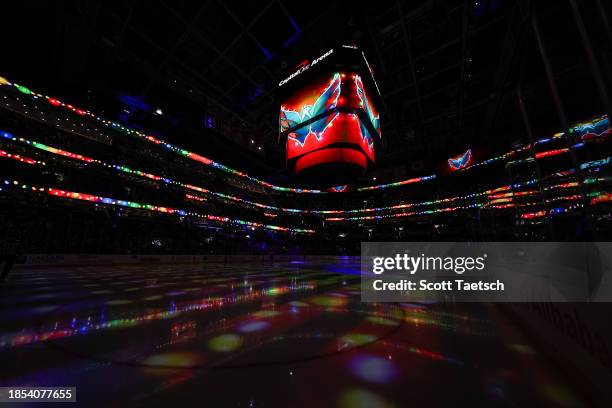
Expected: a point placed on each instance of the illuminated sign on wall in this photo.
(460, 161)
(339, 189)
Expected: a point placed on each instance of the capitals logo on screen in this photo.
(325, 101)
(369, 110)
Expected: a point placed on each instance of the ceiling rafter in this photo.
(180, 63)
(410, 58)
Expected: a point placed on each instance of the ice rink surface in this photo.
(248, 335)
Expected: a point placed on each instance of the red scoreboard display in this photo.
(328, 117)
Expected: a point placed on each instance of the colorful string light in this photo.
(597, 129)
(498, 198)
(146, 175)
(19, 158)
(186, 153)
(601, 198)
(583, 130)
(398, 183)
(149, 207)
(550, 153)
(537, 214)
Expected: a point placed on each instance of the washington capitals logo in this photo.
(375, 119)
(461, 161)
(326, 101)
(596, 130)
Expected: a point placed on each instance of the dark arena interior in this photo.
(195, 197)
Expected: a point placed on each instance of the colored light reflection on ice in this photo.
(253, 326)
(422, 352)
(265, 313)
(382, 321)
(173, 360)
(119, 302)
(153, 297)
(356, 339)
(522, 348)
(373, 369)
(561, 395)
(361, 398)
(225, 343)
(37, 336)
(275, 292)
(327, 301)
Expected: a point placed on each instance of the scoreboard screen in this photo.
(328, 113)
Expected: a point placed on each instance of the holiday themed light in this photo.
(149, 207)
(191, 155)
(597, 129)
(496, 197)
(19, 158)
(537, 214)
(398, 183)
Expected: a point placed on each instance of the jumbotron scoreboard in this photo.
(329, 119)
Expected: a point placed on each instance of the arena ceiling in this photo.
(448, 69)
